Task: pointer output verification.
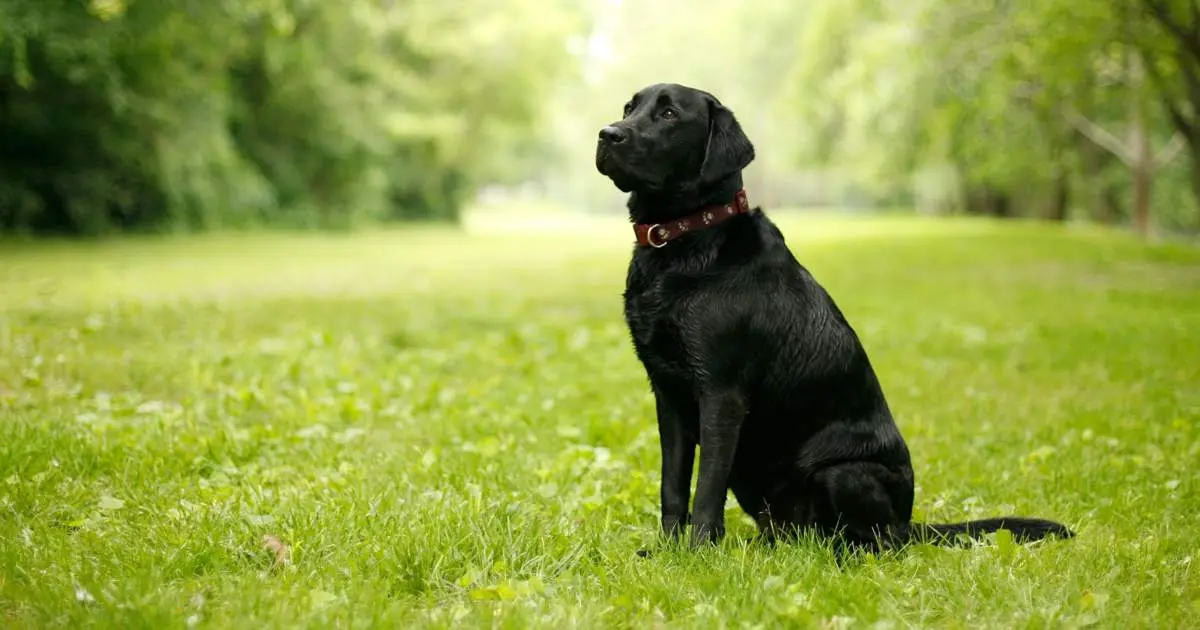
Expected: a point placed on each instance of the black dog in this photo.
(747, 355)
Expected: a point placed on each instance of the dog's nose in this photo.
(612, 134)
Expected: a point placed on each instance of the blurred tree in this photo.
(1174, 67)
(183, 114)
(1000, 95)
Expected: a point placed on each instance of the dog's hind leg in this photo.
(864, 504)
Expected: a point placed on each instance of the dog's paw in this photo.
(674, 526)
(706, 534)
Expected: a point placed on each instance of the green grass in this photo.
(451, 430)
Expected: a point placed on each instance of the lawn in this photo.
(445, 429)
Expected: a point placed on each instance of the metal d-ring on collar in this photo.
(650, 237)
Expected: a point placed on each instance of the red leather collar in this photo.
(659, 234)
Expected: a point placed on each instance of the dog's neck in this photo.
(654, 207)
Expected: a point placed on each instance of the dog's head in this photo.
(672, 138)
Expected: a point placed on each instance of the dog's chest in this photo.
(653, 314)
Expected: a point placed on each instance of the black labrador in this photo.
(747, 355)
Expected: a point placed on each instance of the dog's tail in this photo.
(1023, 530)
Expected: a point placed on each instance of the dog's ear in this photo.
(728, 150)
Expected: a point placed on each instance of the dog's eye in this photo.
(628, 108)
(669, 113)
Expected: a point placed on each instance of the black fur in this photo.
(748, 357)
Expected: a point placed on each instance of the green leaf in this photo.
(506, 591)
(110, 503)
(320, 599)
(468, 578)
(773, 582)
(1005, 546)
(484, 594)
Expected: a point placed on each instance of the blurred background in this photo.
(187, 115)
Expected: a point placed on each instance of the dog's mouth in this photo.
(618, 168)
(611, 168)
(622, 180)
(603, 157)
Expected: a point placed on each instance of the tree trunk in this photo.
(1101, 201)
(975, 200)
(1191, 133)
(1001, 204)
(1142, 168)
(1062, 197)
(1194, 156)
(1059, 140)
(986, 200)
(1110, 205)
(1142, 180)
(1182, 29)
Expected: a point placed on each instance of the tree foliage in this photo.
(177, 114)
(1047, 105)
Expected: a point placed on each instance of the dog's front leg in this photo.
(721, 415)
(678, 457)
